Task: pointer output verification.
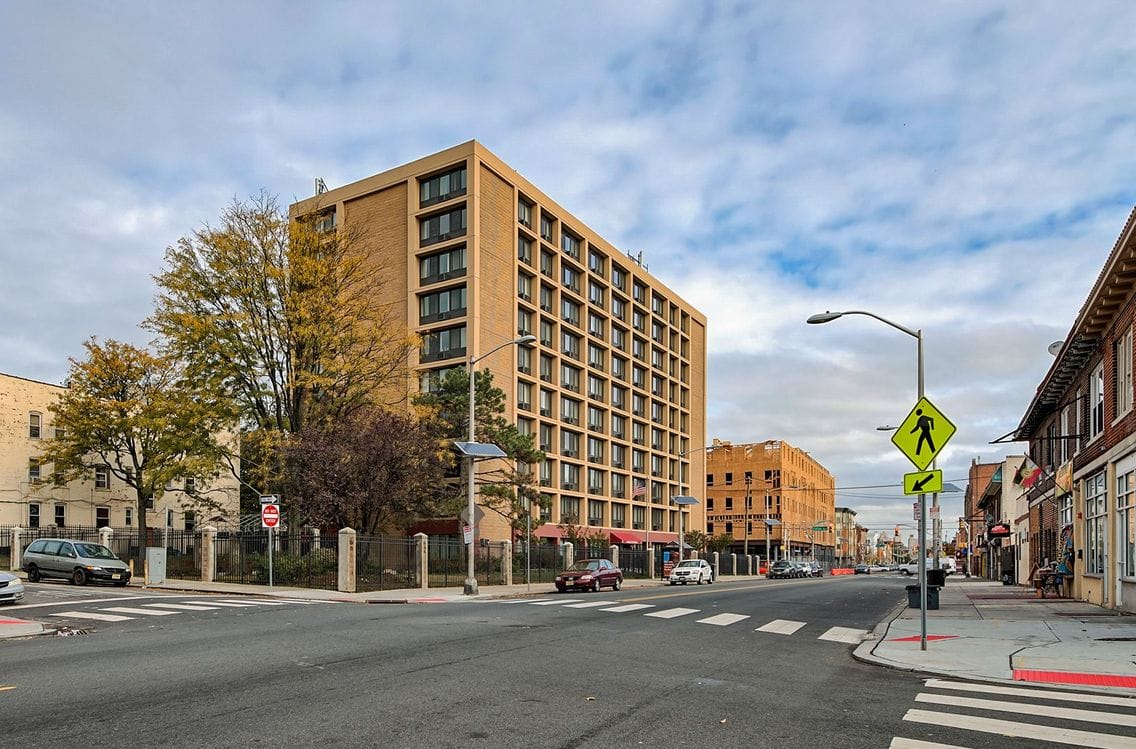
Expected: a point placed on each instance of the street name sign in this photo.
(923, 434)
(269, 499)
(269, 516)
(923, 482)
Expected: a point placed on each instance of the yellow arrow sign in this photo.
(923, 434)
(923, 482)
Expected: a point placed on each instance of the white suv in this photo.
(692, 571)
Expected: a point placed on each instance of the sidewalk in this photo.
(985, 630)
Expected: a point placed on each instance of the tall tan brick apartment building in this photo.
(474, 255)
(748, 485)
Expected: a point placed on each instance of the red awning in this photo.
(549, 530)
(626, 537)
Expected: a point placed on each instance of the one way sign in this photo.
(923, 482)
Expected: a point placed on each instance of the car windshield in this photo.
(94, 551)
(588, 566)
(689, 563)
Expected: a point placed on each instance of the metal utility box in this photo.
(913, 597)
(155, 565)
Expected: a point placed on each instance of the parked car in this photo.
(590, 574)
(692, 571)
(80, 562)
(862, 569)
(815, 570)
(11, 588)
(782, 569)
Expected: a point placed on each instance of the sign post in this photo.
(270, 519)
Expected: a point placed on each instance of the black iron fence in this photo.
(542, 563)
(634, 563)
(299, 559)
(384, 563)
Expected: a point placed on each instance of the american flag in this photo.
(640, 489)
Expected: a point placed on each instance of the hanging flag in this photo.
(1027, 474)
(640, 489)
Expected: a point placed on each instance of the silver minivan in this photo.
(78, 561)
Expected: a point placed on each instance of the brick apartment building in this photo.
(473, 255)
(775, 487)
(1081, 430)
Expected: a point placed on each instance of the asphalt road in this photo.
(732, 665)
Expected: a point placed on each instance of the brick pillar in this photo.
(17, 548)
(569, 554)
(613, 554)
(421, 560)
(347, 551)
(104, 536)
(315, 539)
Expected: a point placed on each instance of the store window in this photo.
(1095, 511)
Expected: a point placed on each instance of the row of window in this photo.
(571, 510)
(35, 427)
(102, 516)
(102, 477)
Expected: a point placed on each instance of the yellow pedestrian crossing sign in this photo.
(923, 482)
(923, 434)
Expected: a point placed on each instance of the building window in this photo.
(430, 381)
(618, 308)
(1096, 402)
(595, 326)
(442, 187)
(639, 292)
(595, 294)
(441, 266)
(524, 250)
(102, 477)
(34, 423)
(570, 480)
(570, 278)
(546, 227)
(619, 426)
(548, 264)
(61, 516)
(619, 337)
(618, 516)
(596, 387)
(33, 515)
(190, 485)
(619, 278)
(190, 520)
(33, 471)
(524, 396)
(545, 402)
(447, 343)
(569, 410)
(570, 245)
(129, 517)
(570, 345)
(1095, 511)
(441, 305)
(524, 358)
(102, 517)
(441, 226)
(524, 212)
(524, 324)
(595, 419)
(1126, 522)
(524, 286)
(595, 262)
(570, 378)
(570, 312)
(1122, 372)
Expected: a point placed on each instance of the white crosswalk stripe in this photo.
(780, 627)
(257, 602)
(958, 713)
(589, 604)
(901, 743)
(94, 616)
(629, 607)
(844, 634)
(671, 613)
(182, 606)
(557, 601)
(140, 611)
(230, 605)
(723, 620)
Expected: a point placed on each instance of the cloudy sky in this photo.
(959, 168)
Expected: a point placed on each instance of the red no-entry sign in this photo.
(269, 516)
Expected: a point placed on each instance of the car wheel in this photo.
(699, 579)
(906, 573)
(33, 574)
(617, 584)
(710, 580)
(79, 577)
(674, 582)
(596, 585)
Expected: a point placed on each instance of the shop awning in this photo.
(626, 537)
(549, 530)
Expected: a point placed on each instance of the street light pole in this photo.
(918, 336)
(471, 577)
(745, 544)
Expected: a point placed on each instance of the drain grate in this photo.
(1116, 639)
(69, 632)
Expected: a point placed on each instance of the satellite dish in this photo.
(1055, 347)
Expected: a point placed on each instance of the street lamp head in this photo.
(526, 339)
(824, 317)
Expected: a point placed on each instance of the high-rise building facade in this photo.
(473, 255)
(773, 499)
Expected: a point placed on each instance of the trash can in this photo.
(937, 578)
(913, 597)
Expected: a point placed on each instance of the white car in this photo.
(692, 571)
(11, 588)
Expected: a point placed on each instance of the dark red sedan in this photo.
(590, 574)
